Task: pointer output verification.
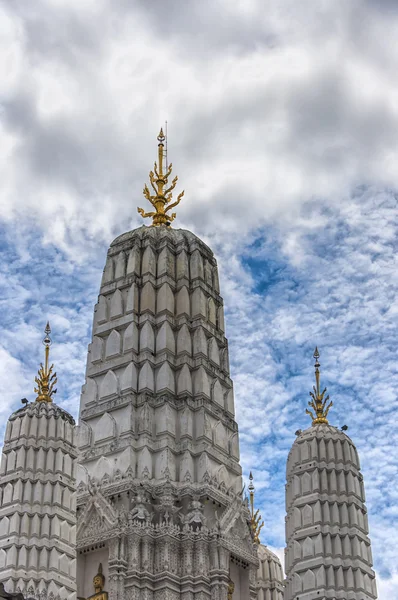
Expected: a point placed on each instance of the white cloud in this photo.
(274, 107)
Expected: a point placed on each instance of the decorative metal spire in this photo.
(45, 378)
(162, 196)
(255, 517)
(318, 403)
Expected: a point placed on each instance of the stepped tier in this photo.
(158, 388)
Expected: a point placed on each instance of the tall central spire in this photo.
(160, 484)
(162, 197)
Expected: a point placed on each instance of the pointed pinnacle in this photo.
(161, 137)
(47, 331)
(316, 356)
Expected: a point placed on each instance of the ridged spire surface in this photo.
(328, 550)
(159, 443)
(37, 498)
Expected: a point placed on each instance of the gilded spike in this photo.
(255, 516)
(163, 195)
(318, 401)
(46, 379)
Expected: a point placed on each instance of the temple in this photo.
(161, 512)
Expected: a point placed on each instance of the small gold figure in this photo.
(162, 196)
(318, 403)
(99, 582)
(231, 587)
(46, 379)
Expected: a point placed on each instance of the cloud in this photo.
(340, 296)
(271, 107)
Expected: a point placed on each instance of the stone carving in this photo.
(145, 418)
(105, 480)
(166, 506)
(194, 516)
(206, 477)
(97, 516)
(118, 475)
(81, 487)
(140, 511)
(129, 471)
(145, 473)
(122, 517)
(167, 474)
(96, 525)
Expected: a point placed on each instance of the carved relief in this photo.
(166, 506)
(194, 517)
(98, 515)
(140, 511)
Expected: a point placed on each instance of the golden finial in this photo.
(318, 404)
(255, 517)
(162, 196)
(46, 379)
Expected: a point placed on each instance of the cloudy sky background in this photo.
(283, 129)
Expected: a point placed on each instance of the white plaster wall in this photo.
(240, 577)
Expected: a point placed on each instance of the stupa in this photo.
(37, 496)
(160, 503)
(328, 551)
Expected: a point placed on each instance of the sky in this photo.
(282, 127)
